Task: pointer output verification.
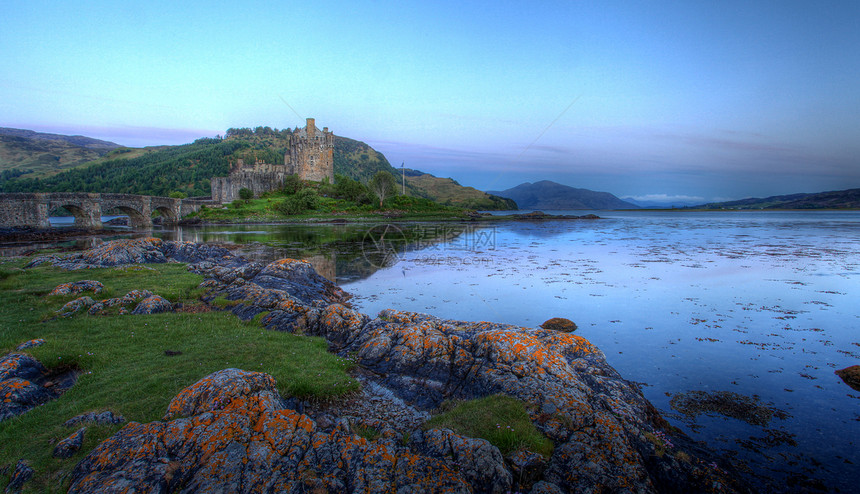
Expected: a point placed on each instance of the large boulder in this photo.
(228, 433)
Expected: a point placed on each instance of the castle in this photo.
(310, 156)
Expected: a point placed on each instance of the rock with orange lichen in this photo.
(74, 306)
(232, 432)
(153, 304)
(22, 473)
(229, 433)
(31, 344)
(25, 383)
(70, 445)
(75, 287)
(596, 418)
(480, 463)
(141, 250)
(300, 280)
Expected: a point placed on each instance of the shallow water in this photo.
(761, 304)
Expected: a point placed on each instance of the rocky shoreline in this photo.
(232, 431)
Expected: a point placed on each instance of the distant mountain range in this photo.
(551, 195)
(837, 199)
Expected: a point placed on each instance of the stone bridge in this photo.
(33, 209)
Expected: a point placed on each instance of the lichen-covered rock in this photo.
(478, 461)
(526, 467)
(232, 432)
(102, 418)
(70, 445)
(227, 433)
(134, 296)
(20, 476)
(31, 344)
(153, 304)
(114, 253)
(73, 307)
(300, 280)
(851, 376)
(76, 287)
(25, 384)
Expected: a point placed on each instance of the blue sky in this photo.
(708, 100)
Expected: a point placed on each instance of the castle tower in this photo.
(311, 153)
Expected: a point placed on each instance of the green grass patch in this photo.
(500, 419)
(122, 358)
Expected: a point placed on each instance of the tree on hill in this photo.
(382, 185)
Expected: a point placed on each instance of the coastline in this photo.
(605, 432)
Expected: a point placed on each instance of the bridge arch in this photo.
(84, 207)
(136, 219)
(83, 219)
(168, 214)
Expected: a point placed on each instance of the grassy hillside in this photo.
(448, 191)
(188, 168)
(34, 154)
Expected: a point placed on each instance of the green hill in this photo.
(39, 154)
(448, 191)
(836, 199)
(188, 168)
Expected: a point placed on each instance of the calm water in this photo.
(760, 304)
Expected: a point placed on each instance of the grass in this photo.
(500, 419)
(122, 358)
(265, 209)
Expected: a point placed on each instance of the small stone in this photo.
(851, 376)
(559, 324)
(70, 445)
(31, 343)
(172, 353)
(103, 418)
(22, 474)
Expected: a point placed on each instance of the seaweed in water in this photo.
(726, 403)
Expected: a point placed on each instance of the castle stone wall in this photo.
(226, 189)
(311, 153)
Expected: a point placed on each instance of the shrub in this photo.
(246, 194)
(349, 189)
(292, 184)
(299, 202)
